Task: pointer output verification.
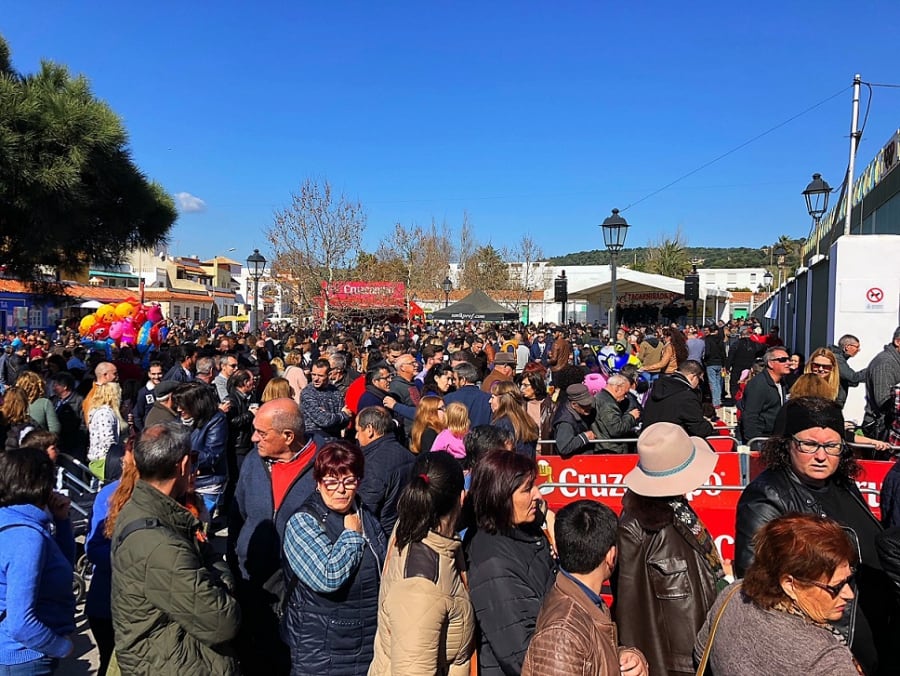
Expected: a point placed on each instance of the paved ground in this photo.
(84, 660)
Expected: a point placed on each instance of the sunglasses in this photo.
(832, 589)
(820, 367)
(781, 360)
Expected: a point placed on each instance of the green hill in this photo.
(731, 257)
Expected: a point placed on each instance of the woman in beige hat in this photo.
(669, 569)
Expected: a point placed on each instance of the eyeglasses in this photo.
(809, 447)
(780, 360)
(832, 589)
(387, 377)
(348, 482)
(821, 367)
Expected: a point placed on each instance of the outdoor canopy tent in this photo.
(476, 306)
(634, 287)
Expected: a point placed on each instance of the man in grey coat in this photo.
(881, 376)
(847, 347)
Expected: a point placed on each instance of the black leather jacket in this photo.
(775, 493)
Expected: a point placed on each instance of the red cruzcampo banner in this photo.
(365, 294)
(600, 477)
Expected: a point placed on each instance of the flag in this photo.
(726, 315)
(772, 312)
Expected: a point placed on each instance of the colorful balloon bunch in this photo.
(128, 323)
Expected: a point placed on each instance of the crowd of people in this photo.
(374, 491)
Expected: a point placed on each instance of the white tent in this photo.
(633, 287)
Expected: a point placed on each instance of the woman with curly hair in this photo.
(430, 420)
(40, 408)
(811, 470)
(508, 406)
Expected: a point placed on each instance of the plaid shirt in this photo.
(319, 564)
(894, 430)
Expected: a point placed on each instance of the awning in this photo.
(91, 304)
(234, 318)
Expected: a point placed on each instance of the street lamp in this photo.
(447, 286)
(816, 196)
(256, 263)
(767, 280)
(615, 229)
(528, 291)
(779, 252)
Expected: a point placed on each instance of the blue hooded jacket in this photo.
(35, 585)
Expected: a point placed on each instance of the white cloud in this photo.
(188, 203)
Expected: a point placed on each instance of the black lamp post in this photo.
(528, 291)
(779, 252)
(447, 286)
(256, 263)
(816, 196)
(615, 229)
(767, 280)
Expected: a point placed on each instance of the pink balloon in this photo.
(154, 313)
(115, 329)
(129, 335)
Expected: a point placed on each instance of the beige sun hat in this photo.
(671, 462)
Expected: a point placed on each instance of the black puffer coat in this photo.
(673, 400)
(509, 573)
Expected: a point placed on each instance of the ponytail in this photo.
(431, 494)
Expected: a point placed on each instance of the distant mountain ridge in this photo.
(726, 257)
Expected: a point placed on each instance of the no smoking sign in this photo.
(874, 295)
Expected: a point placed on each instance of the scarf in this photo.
(707, 546)
(791, 608)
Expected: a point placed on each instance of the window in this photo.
(176, 311)
(36, 317)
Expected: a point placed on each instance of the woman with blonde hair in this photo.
(510, 413)
(430, 420)
(810, 385)
(277, 388)
(105, 425)
(451, 439)
(40, 408)
(823, 363)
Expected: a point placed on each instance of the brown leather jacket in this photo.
(573, 636)
(663, 586)
(560, 353)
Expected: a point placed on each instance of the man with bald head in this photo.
(273, 483)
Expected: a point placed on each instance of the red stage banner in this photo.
(365, 294)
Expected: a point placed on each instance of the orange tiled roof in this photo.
(744, 296)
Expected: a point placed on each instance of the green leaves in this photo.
(70, 193)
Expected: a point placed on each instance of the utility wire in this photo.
(735, 149)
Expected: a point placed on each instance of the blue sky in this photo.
(534, 118)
